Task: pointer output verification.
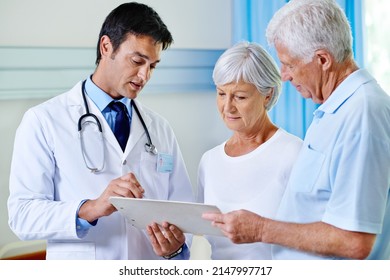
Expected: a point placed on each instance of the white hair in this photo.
(304, 26)
(250, 63)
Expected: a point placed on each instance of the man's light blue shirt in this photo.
(342, 175)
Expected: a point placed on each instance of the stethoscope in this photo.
(89, 118)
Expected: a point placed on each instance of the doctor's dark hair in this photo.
(136, 19)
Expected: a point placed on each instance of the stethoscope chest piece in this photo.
(150, 148)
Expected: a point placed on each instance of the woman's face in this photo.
(241, 106)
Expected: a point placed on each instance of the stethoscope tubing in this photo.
(149, 147)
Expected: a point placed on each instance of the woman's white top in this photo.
(255, 181)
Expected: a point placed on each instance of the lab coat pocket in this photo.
(70, 251)
(306, 170)
(155, 183)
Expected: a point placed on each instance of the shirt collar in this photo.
(343, 92)
(100, 98)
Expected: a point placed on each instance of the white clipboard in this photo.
(186, 216)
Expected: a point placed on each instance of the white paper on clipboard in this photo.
(186, 216)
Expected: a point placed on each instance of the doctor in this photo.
(67, 161)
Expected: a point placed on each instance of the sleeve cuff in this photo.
(82, 226)
(184, 255)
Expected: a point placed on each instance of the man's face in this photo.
(126, 71)
(307, 78)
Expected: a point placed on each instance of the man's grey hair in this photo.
(304, 26)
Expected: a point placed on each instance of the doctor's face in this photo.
(126, 71)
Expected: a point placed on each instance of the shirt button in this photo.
(124, 162)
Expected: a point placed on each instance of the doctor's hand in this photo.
(165, 239)
(240, 226)
(125, 186)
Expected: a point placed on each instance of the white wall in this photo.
(74, 23)
(194, 24)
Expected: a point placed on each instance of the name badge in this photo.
(164, 163)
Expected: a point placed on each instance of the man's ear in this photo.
(324, 59)
(105, 46)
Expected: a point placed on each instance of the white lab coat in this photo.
(49, 179)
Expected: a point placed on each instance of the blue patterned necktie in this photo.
(122, 125)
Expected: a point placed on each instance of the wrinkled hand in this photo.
(125, 186)
(165, 239)
(239, 226)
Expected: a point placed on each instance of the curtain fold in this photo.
(250, 19)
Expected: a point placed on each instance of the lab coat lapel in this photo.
(137, 130)
(75, 103)
(77, 108)
(107, 131)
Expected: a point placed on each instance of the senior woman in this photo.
(249, 170)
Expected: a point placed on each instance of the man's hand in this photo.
(240, 226)
(125, 186)
(165, 239)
